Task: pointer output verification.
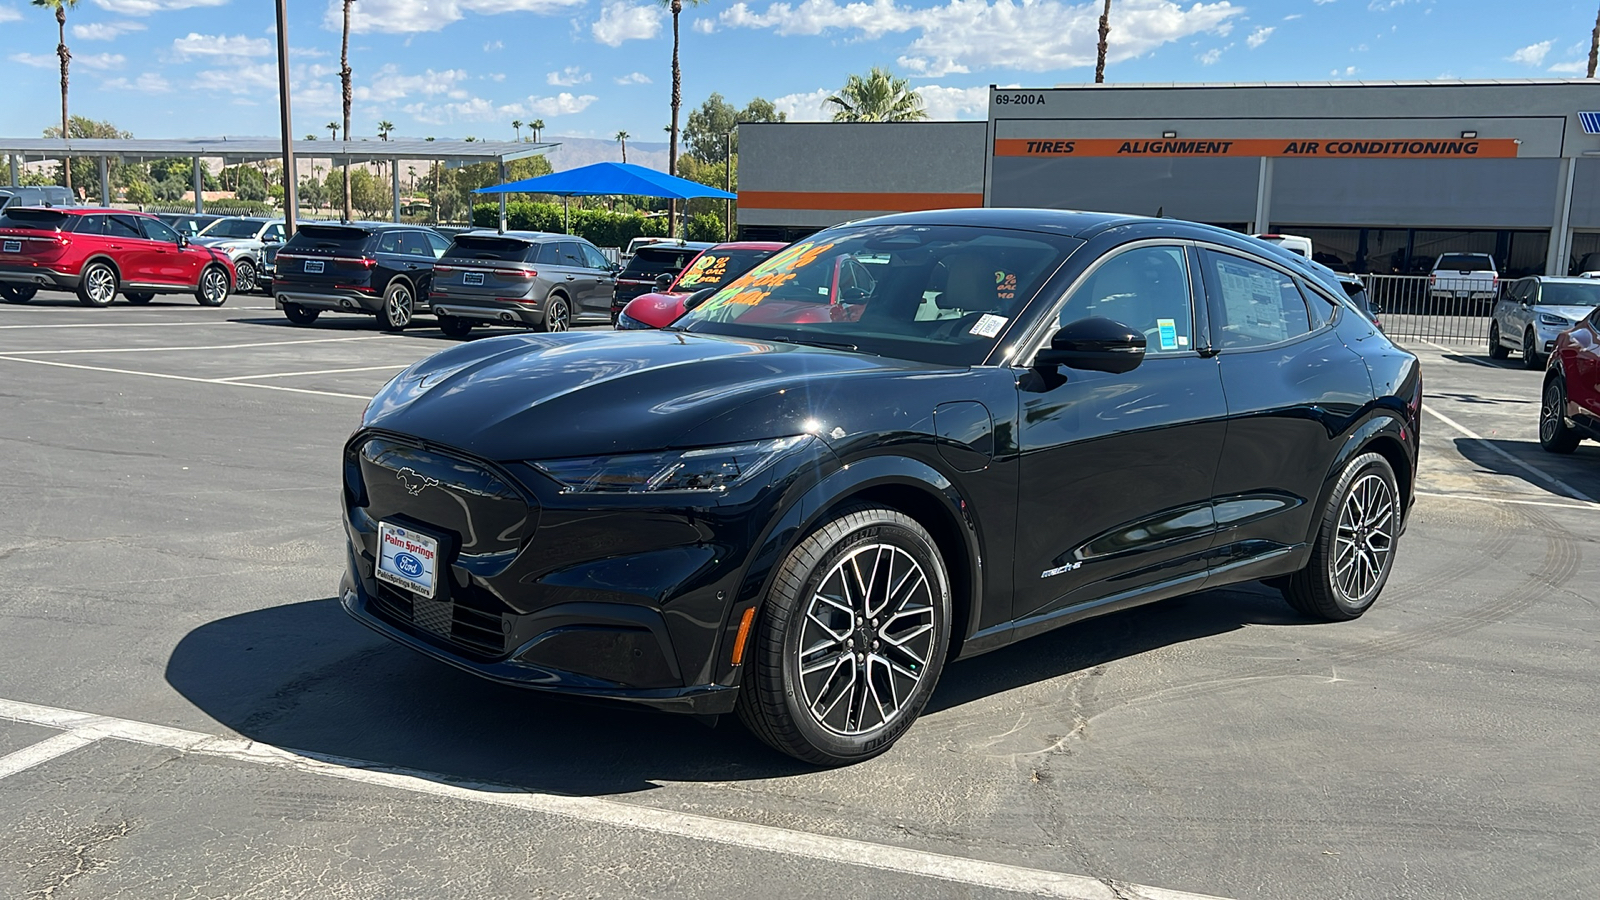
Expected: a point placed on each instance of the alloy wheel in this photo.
(101, 285)
(556, 319)
(866, 640)
(246, 271)
(213, 287)
(1365, 539)
(397, 307)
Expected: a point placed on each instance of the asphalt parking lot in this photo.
(185, 711)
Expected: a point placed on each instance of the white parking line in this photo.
(234, 378)
(365, 337)
(615, 813)
(1480, 499)
(244, 384)
(1542, 475)
(44, 751)
(216, 324)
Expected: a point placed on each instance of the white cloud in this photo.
(247, 79)
(1210, 57)
(492, 46)
(1382, 5)
(146, 7)
(98, 31)
(623, 21)
(571, 75)
(407, 16)
(560, 105)
(1532, 55)
(100, 61)
(148, 83)
(705, 26)
(806, 106)
(7, 14)
(37, 60)
(219, 46)
(1259, 36)
(477, 109)
(1322, 2)
(633, 78)
(1576, 67)
(1292, 17)
(960, 35)
(1346, 72)
(944, 103)
(387, 84)
(496, 76)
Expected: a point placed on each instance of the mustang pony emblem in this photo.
(414, 482)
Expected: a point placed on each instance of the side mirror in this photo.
(1095, 345)
(183, 241)
(663, 282)
(697, 298)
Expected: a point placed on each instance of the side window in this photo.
(90, 225)
(157, 230)
(273, 234)
(123, 227)
(596, 259)
(415, 243)
(1147, 289)
(1255, 305)
(438, 244)
(572, 255)
(1321, 309)
(549, 254)
(389, 242)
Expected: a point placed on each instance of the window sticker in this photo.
(1168, 330)
(989, 325)
(1005, 287)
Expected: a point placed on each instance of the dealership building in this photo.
(1383, 177)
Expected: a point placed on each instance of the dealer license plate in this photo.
(13, 247)
(314, 266)
(407, 559)
(472, 278)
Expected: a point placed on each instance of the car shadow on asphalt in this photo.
(1580, 469)
(305, 677)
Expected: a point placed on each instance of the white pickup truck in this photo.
(1464, 276)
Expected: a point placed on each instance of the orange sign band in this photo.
(1337, 148)
(865, 202)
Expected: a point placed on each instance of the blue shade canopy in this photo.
(609, 178)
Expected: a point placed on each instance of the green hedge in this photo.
(600, 227)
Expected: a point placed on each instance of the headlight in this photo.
(1554, 321)
(708, 469)
(626, 322)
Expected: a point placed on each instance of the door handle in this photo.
(572, 277)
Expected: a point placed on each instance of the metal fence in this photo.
(1417, 307)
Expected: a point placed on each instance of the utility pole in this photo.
(291, 201)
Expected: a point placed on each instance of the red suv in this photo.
(98, 252)
(1570, 411)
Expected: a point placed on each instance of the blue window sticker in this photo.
(1169, 333)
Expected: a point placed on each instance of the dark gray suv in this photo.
(548, 282)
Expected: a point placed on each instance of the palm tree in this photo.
(344, 80)
(1594, 53)
(677, 100)
(384, 129)
(333, 130)
(1100, 51)
(538, 128)
(60, 7)
(622, 138)
(517, 124)
(879, 97)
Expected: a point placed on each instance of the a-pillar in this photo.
(199, 199)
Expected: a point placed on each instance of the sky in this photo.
(591, 68)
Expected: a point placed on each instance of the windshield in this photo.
(931, 293)
(715, 268)
(1465, 262)
(1555, 293)
(232, 228)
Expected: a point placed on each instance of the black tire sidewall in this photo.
(1564, 440)
(549, 313)
(299, 315)
(1326, 538)
(12, 293)
(383, 314)
(455, 327)
(200, 290)
(83, 285)
(246, 284)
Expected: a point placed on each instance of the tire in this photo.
(399, 306)
(455, 326)
(213, 287)
(299, 315)
(1530, 351)
(138, 298)
(900, 655)
(98, 286)
(1497, 350)
(245, 272)
(557, 314)
(17, 293)
(1346, 574)
(1554, 434)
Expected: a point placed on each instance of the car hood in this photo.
(218, 241)
(658, 310)
(1571, 312)
(549, 396)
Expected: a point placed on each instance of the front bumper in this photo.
(335, 300)
(526, 314)
(39, 276)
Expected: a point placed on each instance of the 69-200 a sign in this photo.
(1019, 99)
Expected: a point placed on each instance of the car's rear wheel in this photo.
(1531, 359)
(213, 288)
(97, 286)
(557, 315)
(17, 293)
(455, 326)
(300, 315)
(1497, 350)
(851, 639)
(399, 305)
(138, 298)
(1554, 434)
(245, 276)
(1355, 545)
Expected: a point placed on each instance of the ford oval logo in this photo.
(409, 565)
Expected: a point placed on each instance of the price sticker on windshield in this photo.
(988, 326)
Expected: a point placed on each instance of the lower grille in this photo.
(475, 630)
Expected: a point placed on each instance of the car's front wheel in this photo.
(1355, 545)
(1531, 358)
(213, 288)
(1497, 350)
(245, 272)
(1554, 434)
(17, 293)
(851, 639)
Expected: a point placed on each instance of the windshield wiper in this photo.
(826, 345)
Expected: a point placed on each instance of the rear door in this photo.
(575, 273)
(136, 255)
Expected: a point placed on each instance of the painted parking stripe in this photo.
(614, 813)
(44, 751)
(336, 340)
(243, 384)
(235, 378)
(217, 324)
(1572, 492)
(1480, 499)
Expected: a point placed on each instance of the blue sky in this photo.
(452, 68)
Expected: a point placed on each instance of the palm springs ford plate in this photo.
(407, 559)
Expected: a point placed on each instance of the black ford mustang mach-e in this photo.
(896, 443)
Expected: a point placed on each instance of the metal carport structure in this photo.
(251, 149)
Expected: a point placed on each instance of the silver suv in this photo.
(251, 242)
(532, 279)
(1534, 311)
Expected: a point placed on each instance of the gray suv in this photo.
(548, 282)
(252, 243)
